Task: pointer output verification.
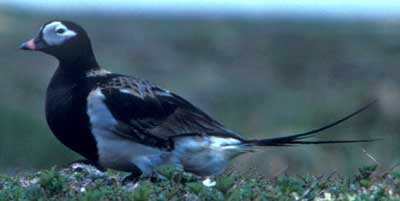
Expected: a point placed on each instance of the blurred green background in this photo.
(261, 77)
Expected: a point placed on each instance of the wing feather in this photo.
(146, 112)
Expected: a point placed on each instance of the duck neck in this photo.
(79, 66)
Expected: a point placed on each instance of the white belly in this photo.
(122, 154)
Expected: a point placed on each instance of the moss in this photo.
(167, 171)
(143, 192)
(52, 182)
(86, 183)
(289, 185)
(224, 184)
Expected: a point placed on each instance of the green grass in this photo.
(81, 182)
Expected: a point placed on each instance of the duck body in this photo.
(77, 108)
(130, 124)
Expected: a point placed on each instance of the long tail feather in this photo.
(297, 138)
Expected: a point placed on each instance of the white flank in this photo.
(114, 151)
(207, 155)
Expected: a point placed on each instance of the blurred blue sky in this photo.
(340, 8)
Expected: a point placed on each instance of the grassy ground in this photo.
(82, 182)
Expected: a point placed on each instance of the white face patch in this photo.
(56, 33)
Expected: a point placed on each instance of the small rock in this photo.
(207, 182)
(79, 167)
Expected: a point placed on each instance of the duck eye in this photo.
(60, 31)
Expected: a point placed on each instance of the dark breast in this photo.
(66, 114)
